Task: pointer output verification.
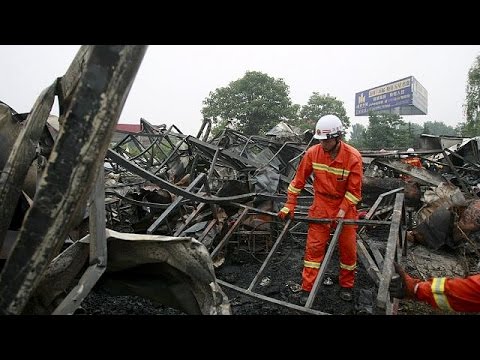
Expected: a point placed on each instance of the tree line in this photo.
(257, 102)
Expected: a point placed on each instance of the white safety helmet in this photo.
(410, 150)
(328, 127)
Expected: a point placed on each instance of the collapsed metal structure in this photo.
(36, 276)
(165, 206)
(269, 166)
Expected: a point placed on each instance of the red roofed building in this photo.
(134, 128)
(122, 130)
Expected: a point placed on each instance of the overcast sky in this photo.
(173, 80)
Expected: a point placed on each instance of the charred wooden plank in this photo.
(79, 149)
(21, 157)
(69, 81)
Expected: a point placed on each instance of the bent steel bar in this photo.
(115, 157)
(316, 220)
(269, 299)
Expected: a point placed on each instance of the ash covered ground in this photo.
(283, 271)
(243, 259)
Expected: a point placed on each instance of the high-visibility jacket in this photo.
(337, 185)
(453, 294)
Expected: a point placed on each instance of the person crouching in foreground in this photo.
(450, 294)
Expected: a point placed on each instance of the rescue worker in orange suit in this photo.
(450, 294)
(337, 170)
(410, 159)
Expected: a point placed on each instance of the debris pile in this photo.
(185, 224)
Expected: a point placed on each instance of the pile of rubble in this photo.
(189, 223)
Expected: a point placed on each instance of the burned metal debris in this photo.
(74, 163)
(157, 213)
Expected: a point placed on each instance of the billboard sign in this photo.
(404, 97)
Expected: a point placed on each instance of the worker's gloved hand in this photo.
(403, 285)
(333, 226)
(362, 214)
(286, 211)
(334, 223)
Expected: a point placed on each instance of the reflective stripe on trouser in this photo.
(317, 238)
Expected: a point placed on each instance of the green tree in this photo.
(471, 127)
(357, 136)
(412, 132)
(384, 131)
(460, 129)
(252, 105)
(319, 105)
(438, 128)
(426, 128)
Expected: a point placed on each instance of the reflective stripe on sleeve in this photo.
(293, 189)
(438, 291)
(352, 198)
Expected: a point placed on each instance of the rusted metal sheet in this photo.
(184, 261)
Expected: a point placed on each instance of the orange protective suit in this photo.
(457, 294)
(414, 161)
(337, 185)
